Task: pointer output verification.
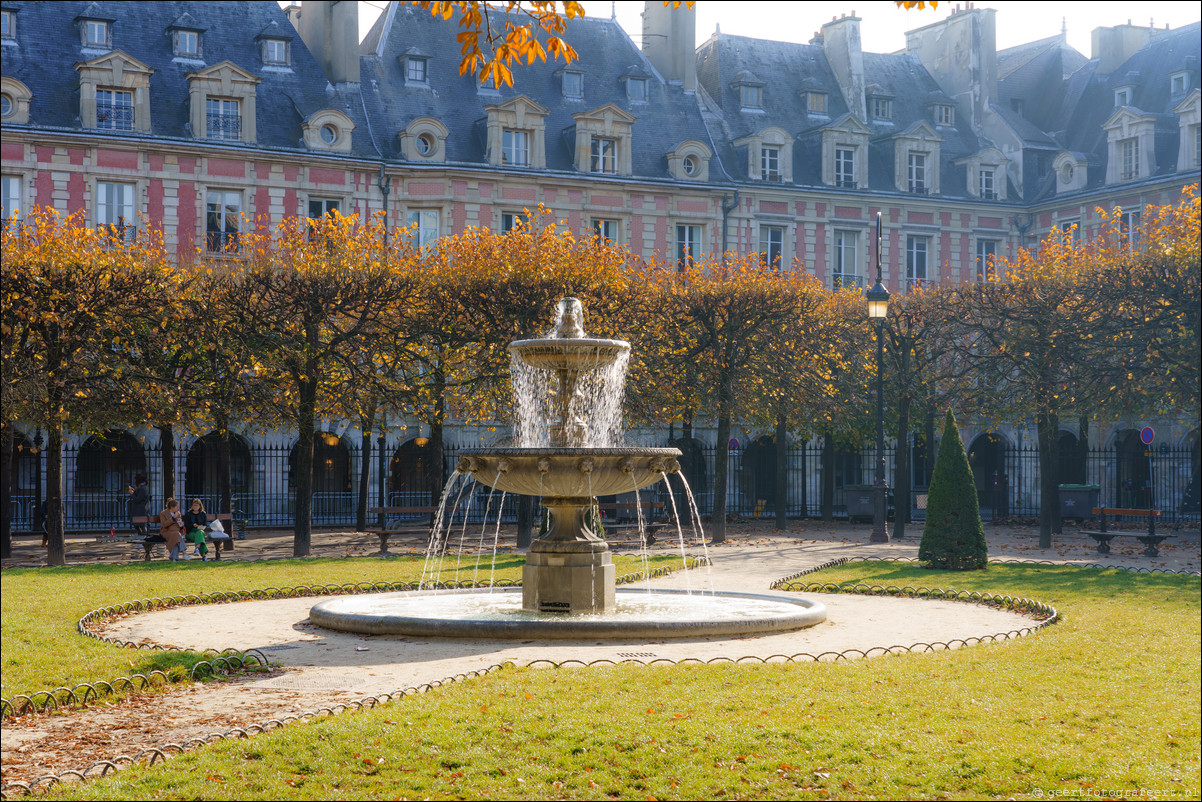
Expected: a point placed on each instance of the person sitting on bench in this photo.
(195, 522)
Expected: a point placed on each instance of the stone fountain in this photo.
(569, 569)
(568, 388)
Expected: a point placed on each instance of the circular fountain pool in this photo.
(498, 613)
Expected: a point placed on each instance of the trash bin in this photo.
(918, 507)
(1077, 501)
(860, 502)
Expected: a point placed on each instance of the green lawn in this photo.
(40, 649)
(1105, 701)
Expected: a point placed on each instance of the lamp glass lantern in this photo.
(878, 301)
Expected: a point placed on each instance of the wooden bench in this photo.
(631, 508)
(148, 545)
(392, 525)
(1150, 539)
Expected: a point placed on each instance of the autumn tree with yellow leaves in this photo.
(76, 305)
(313, 296)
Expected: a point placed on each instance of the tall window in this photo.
(770, 163)
(606, 229)
(510, 221)
(987, 190)
(223, 216)
(1129, 153)
(845, 168)
(114, 109)
(751, 97)
(115, 209)
(10, 198)
(604, 155)
(916, 261)
(688, 243)
(772, 245)
(1129, 224)
(415, 69)
(8, 24)
(321, 207)
(223, 119)
(424, 223)
(916, 175)
(986, 253)
(515, 148)
(847, 259)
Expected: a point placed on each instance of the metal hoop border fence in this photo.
(152, 755)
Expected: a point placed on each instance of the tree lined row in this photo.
(343, 319)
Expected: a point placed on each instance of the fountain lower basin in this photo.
(498, 613)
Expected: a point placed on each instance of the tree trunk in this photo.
(929, 435)
(302, 537)
(901, 469)
(436, 464)
(828, 477)
(225, 492)
(1049, 482)
(782, 471)
(56, 553)
(8, 467)
(722, 463)
(167, 454)
(525, 521)
(366, 424)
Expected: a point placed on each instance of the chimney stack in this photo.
(330, 29)
(670, 42)
(840, 40)
(960, 53)
(1114, 45)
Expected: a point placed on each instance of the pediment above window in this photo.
(116, 63)
(227, 72)
(1127, 116)
(609, 118)
(848, 124)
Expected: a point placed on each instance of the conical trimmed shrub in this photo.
(953, 536)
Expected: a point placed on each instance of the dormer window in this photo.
(415, 70)
(882, 108)
(416, 66)
(515, 147)
(114, 109)
(1179, 83)
(770, 163)
(604, 155)
(751, 97)
(275, 51)
(816, 102)
(916, 173)
(572, 84)
(636, 90)
(187, 44)
(944, 115)
(1122, 97)
(8, 25)
(95, 33)
(986, 181)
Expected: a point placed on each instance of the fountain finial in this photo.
(570, 318)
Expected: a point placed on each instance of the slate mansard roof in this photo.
(787, 71)
(606, 53)
(48, 45)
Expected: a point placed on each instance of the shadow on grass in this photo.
(1043, 582)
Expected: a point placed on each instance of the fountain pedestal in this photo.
(569, 569)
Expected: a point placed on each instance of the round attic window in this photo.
(1066, 173)
(6, 105)
(425, 144)
(691, 165)
(329, 134)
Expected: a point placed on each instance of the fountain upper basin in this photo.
(569, 472)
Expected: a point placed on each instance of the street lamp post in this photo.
(878, 309)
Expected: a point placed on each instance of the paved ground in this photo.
(321, 668)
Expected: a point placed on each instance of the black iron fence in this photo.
(263, 482)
